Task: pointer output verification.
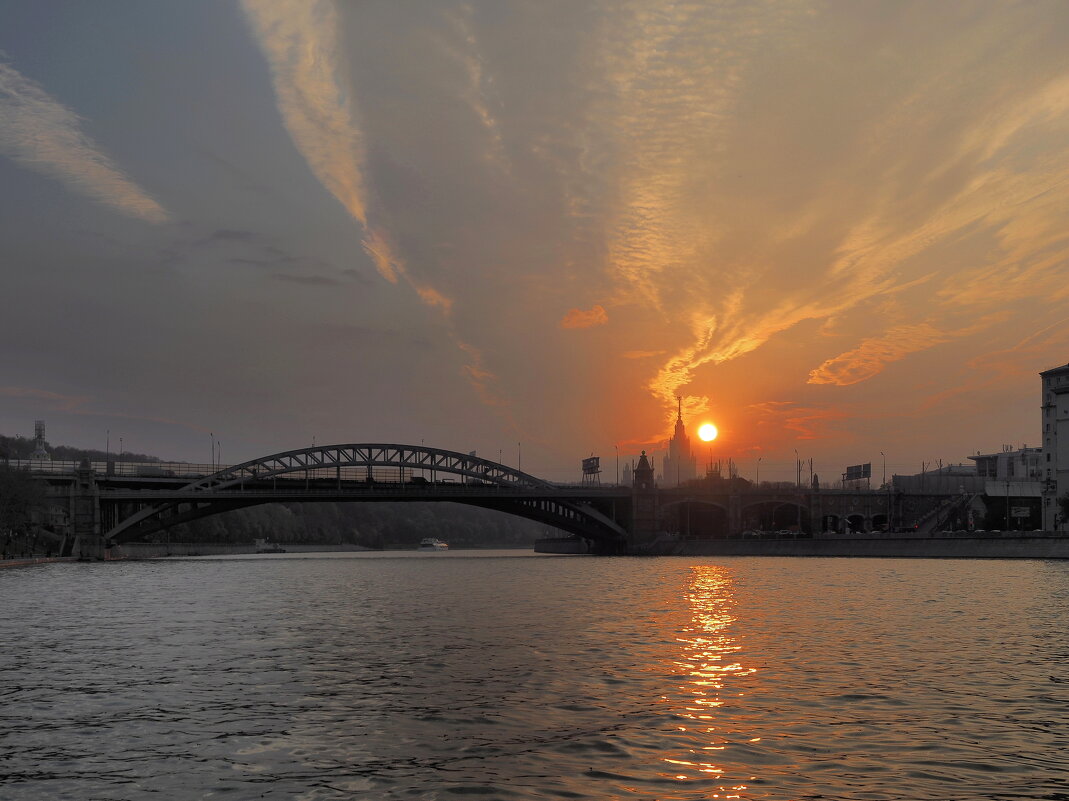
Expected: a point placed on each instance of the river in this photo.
(509, 675)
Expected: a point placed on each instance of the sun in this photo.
(707, 433)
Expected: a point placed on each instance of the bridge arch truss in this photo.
(350, 472)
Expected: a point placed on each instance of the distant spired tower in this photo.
(679, 466)
(39, 449)
(643, 505)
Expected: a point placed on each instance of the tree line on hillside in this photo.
(371, 525)
(12, 448)
(22, 501)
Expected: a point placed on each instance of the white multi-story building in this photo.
(1012, 464)
(1055, 462)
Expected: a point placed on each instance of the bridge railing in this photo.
(189, 471)
(116, 468)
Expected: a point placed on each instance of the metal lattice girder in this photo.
(369, 456)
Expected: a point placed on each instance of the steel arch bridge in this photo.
(365, 472)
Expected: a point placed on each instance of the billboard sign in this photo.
(592, 466)
(1019, 511)
(856, 472)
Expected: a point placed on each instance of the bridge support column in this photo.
(734, 515)
(87, 541)
(642, 532)
(643, 529)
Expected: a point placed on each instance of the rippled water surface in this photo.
(505, 675)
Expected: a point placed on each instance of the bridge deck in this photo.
(295, 488)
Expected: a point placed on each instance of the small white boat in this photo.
(432, 544)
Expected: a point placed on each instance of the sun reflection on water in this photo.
(709, 665)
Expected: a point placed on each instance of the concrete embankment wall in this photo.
(947, 548)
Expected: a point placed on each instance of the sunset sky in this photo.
(839, 228)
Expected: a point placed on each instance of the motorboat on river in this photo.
(432, 544)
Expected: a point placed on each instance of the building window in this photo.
(1048, 457)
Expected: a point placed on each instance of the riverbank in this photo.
(1035, 546)
(148, 550)
(154, 550)
(27, 561)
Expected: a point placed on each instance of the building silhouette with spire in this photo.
(678, 466)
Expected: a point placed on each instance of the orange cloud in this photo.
(577, 318)
(432, 297)
(1021, 362)
(869, 358)
(774, 418)
(301, 43)
(481, 378)
(378, 247)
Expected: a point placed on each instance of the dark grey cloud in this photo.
(307, 280)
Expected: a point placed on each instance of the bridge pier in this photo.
(85, 540)
(643, 530)
(734, 528)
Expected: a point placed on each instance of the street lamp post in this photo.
(797, 469)
(890, 505)
(759, 458)
(884, 479)
(617, 447)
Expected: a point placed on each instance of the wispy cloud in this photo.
(377, 245)
(705, 223)
(671, 76)
(55, 400)
(774, 420)
(78, 405)
(1018, 363)
(306, 280)
(42, 134)
(706, 172)
(584, 318)
(869, 358)
(1029, 356)
(300, 39)
(478, 94)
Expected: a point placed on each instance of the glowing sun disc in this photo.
(708, 432)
